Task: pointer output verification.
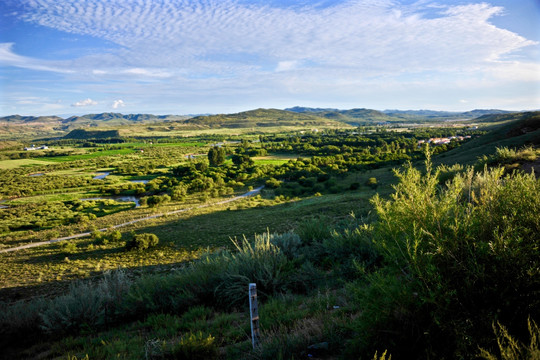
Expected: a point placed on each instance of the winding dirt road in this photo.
(41, 243)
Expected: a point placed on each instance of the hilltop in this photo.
(17, 125)
(352, 117)
(262, 118)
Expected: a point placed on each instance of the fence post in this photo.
(254, 313)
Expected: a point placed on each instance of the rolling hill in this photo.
(516, 131)
(432, 115)
(353, 117)
(367, 116)
(262, 118)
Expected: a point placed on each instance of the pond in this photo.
(36, 174)
(139, 181)
(101, 176)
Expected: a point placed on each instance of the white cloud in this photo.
(378, 35)
(118, 103)
(148, 72)
(86, 102)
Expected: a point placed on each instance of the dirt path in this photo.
(41, 243)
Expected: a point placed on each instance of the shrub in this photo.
(313, 230)
(193, 346)
(510, 348)
(86, 306)
(68, 247)
(142, 242)
(21, 318)
(354, 186)
(289, 243)
(470, 250)
(372, 183)
(259, 262)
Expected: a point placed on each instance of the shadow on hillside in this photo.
(211, 230)
(59, 287)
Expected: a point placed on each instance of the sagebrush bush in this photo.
(289, 243)
(259, 262)
(86, 306)
(470, 249)
(21, 318)
(142, 242)
(313, 230)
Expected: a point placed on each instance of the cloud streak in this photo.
(9, 58)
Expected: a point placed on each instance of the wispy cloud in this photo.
(86, 102)
(380, 36)
(9, 58)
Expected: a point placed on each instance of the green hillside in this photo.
(353, 117)
(366, 116)
(517, 130)
(261, 118)
(95, 134)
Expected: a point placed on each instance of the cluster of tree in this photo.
(36, 216)
(15, 183)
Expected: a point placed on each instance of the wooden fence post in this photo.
(254, 312)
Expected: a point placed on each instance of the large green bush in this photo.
(467, 252)
(142, 241)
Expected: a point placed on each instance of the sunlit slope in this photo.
(263, 118)
(516, 131)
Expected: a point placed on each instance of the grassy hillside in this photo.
(117, 119)
(517, 130)
(88, 134)
(262, 118)
(353, 116)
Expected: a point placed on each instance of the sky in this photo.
(66, 57)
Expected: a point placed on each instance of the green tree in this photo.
(216, 156)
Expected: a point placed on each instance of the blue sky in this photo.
(64, 57)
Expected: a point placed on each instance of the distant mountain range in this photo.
(90, 119)
(295, 116)
(361, 116)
